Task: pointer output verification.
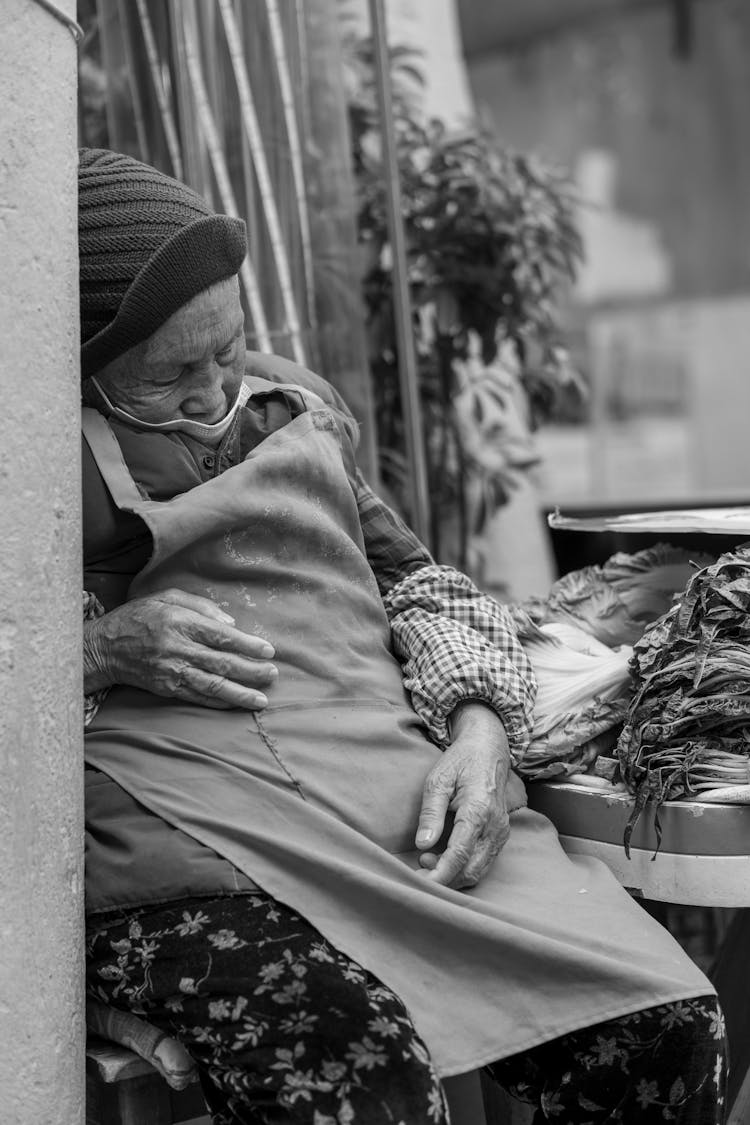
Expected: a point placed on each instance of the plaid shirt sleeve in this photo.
(393, 550)
(454, 642)
(92, 608)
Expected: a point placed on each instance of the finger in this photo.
(209, 690)
(486, 851)
(228, 639)
(461, 847)
(249, 673)
(197, 603)
(515, 793)
(435, 801)
(429, 860)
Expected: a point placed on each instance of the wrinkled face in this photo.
(191, 368)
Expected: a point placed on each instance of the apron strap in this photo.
(107, 454)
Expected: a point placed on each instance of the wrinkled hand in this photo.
(181, 646)
(472, 779)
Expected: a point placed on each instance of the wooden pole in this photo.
(405, 349)
(251, 127)
(212, 140)
(339, 335)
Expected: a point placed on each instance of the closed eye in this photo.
(227, 352)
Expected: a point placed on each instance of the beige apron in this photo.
(316, 798)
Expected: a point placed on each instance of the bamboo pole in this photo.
(304, 66)
(191, 148)
(295, 148)
(133, 86)
(120, 123)
(260, 164)
(165, 109)
(340, 334)
(407, 360)
(218, 163)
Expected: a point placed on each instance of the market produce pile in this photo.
(617, 600)
(688, 723)
(579, 640)
(583, 693)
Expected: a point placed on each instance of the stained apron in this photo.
(316, 798)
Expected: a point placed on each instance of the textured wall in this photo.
(41, 1071)
(705, 342)
(658, 141)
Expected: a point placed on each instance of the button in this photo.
(208, 461)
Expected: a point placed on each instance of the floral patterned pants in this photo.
(285, 1028)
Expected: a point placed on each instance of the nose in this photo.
(206, 397)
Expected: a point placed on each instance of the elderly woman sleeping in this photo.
(308, 856)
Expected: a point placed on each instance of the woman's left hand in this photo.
(472, 779)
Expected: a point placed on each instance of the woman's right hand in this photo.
(181, 646)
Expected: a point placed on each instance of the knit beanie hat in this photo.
(147, 245)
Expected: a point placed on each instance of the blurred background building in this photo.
(646, 102)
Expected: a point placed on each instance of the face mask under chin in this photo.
(210, 433)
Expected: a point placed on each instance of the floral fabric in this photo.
(663, 1064)
(283, 1026)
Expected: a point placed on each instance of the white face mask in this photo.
(211, 433)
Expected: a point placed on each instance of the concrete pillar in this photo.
(41, 813)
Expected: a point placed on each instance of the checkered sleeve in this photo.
(454, 642)
(92, 608)
(393, 549)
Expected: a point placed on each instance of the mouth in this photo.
(212, 419)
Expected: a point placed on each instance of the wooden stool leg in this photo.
(135, 1101)
(464, 1094)
(144, 1101)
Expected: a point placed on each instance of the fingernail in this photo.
(423, 835)
(260, 700)
(227, 617)
(268, 651)
(273, 672)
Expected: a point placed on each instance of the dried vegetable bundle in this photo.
(688, 724)
(578, 639)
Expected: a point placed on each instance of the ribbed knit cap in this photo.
(147, 245)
